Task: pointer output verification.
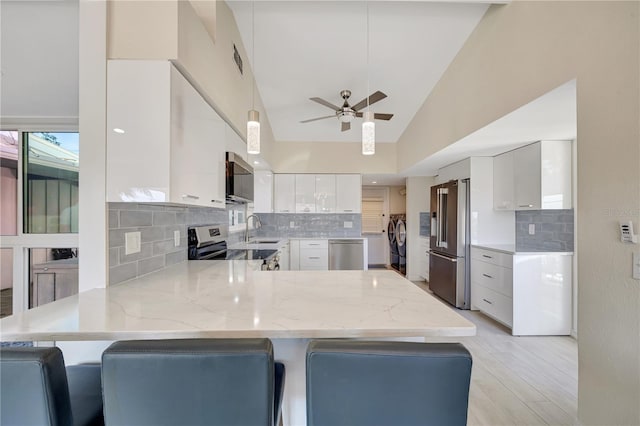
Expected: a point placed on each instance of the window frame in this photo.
(22, 242)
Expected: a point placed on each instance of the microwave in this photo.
(239, 179)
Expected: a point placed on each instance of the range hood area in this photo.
(239, 180)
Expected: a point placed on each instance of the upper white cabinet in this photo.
(348, 193)
(164, 142)
(263, 191)
(534, 177)
(284, 193)
(325, 193)
(321, 193)
(235, 144)
(305, 190)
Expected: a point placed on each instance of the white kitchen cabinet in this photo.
(263, 191)
(534, 177)
(305, 189)
(314, 255)
(530, 292)
(235, 144)
(325, 193)
(348, 193)
(294, 255)
(503, 176)
(284, 193)
(165, 144)
(424, 258)
(285, 256)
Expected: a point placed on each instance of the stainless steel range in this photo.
(209, 242)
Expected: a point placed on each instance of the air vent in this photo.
(237, 59)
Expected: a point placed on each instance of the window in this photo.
(9, 183)
(372, 216)
(51, 168)
(39, 210)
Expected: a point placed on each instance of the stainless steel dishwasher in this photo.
(346, 255)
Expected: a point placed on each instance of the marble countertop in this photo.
(511, 249)
(231, 299)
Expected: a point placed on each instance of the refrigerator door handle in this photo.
(450, 259)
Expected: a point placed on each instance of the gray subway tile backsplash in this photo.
(554, 230)
(307, 225)
(157, 224)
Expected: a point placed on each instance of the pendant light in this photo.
(368, 126)
(253, 119)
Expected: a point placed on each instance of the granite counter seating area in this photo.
(234, 299)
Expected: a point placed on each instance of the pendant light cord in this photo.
(253, 54)
(368, 56)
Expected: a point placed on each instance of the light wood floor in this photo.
(530, 380)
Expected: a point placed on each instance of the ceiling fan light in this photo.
(253, 132)
(368, 134)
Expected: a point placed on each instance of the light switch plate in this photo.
(636, 265)
(132, 242)
(532, 229)
(176, 238)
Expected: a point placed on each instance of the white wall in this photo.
(455, 171)
(397, 201)
(518, 52)
(418, 200)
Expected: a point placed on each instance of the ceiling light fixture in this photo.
(368, 126)
(253, 119)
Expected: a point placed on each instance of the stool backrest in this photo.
(359, 383)
(33, 387)
(189, 382)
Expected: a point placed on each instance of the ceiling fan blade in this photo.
(319, 118)
(346, 126)
(378, 116)
(373, 98)
(325, 103)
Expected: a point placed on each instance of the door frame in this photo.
(380, 192)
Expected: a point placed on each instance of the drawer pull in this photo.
(315, 257)
(487, 301)
(488, 276)
(487, 256)
(195, 197)
(526, 205)
(314, 244)
(347, 210)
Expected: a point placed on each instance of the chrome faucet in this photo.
(257, 224)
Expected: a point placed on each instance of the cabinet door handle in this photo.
(314, 257)
(347, 210)
(216, 201)
(526, 205)
(314, 244)
(195, 197)
(284, 211)
(488, 257)
(488, 276)
(487, 301)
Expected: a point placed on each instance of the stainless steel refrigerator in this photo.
(449, 249)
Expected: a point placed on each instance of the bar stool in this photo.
(360, 383)
(36, 389)
(192, 382)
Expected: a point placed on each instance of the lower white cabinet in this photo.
(309, 255)
(530, 293)
(284, 253)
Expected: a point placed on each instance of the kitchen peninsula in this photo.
(199, 299)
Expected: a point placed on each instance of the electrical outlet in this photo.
(532, 229)
(292, 224)
(176, 238)
(348, 224)
(132, 242)
(636, 265)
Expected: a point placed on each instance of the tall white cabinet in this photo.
(284, 198)
(534, 177)
(164, 142)
(348, 193)
(263, 191)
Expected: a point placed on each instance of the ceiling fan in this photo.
(347, 113)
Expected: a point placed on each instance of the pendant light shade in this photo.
(368, 134)
(253, 132)
(253, 120)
